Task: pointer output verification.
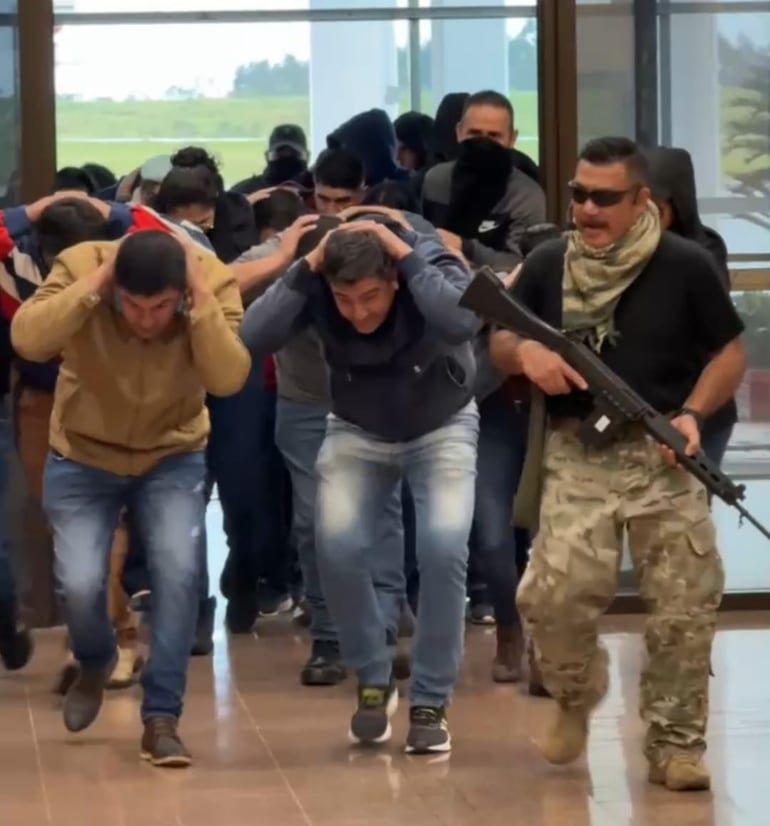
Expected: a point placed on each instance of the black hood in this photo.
(234, 229)
(372, 137)
(448, 115)
(672, 178)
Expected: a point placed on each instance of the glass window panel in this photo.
(498, 53)
(9, 106)
(605, 64)
(714, 100)
(725, 121)
(142, 6)
(258, 76)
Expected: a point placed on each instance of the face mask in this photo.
(485, 157)
(284, 169)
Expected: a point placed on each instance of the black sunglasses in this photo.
(599, 197)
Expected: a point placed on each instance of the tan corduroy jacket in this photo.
(122, 404)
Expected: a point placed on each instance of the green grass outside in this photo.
(193, 121)
(210, 122)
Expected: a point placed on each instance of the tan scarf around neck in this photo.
(594, 279)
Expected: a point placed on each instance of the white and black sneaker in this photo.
(428, 730)
(376, 707)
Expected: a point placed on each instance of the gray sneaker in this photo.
(84, 698)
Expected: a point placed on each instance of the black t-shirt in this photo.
(674, 314)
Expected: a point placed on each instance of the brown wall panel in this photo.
(38, 104)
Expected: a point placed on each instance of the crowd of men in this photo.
(389, 465)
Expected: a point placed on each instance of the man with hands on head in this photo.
(384, 301)
(649, 303)
(145, 328)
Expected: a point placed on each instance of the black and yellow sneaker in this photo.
(376, 707)
(428, 730)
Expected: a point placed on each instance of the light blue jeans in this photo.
(299, 433)
(358, 474)
(83, 505)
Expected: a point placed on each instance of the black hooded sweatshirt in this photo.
(672, 179)
(372, 137)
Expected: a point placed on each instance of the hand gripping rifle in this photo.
(615, 403)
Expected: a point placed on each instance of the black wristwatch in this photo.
(700, 419)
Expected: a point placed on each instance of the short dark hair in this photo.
(392, 194)
(185, 186)
(279, 210)
(71, 177)
(488, 97)
(310, 240)
(149, 262)
(67, 222)
(610, 150)
(351, 256)
(103, 177)
(192, 157)
(340, 169)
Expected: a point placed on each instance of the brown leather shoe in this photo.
(161, 745)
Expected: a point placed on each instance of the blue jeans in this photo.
(249, 472)
(299, 433)
(502, 447)
(7, 584)
(83, 504)
(357, 474)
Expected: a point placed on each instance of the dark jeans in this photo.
(411, 572)
(502, 446)
(252, 481)
(7, 584)
(83, 505)
(714, 441)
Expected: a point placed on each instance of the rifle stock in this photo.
(615, 403)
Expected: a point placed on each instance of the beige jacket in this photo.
(122, 404)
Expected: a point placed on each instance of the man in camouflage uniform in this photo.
(652, 307)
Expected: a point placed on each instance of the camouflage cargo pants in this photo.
(589, 496)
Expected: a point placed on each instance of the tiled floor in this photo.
(269, 751)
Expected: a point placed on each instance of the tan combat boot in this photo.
(506, 667)
(536, 687)
(680, 771)
(567, 738)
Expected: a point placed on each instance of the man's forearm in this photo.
(503, 352)
(719, 380)
(250, 274)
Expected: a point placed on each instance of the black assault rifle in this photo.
(615, 403)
